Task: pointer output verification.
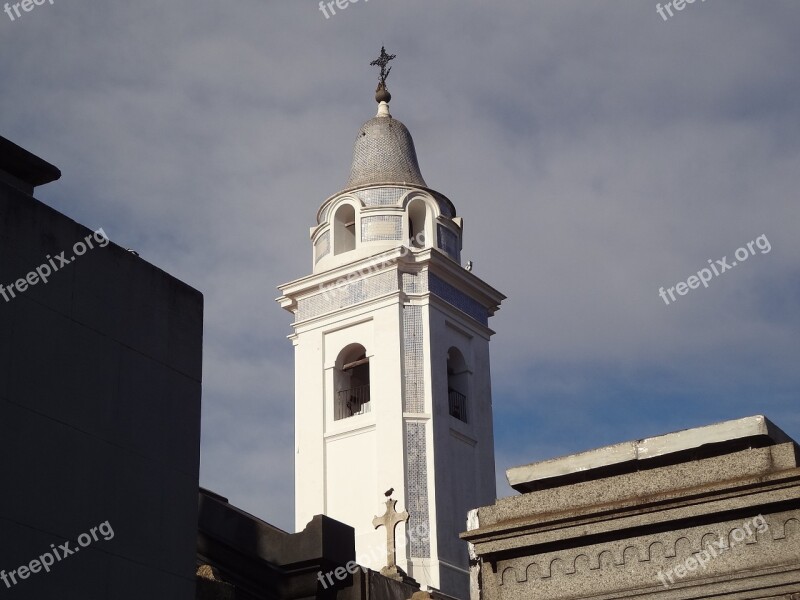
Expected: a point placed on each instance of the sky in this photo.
(596, 151)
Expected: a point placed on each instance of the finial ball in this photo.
(382, 94)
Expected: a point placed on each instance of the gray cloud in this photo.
(595, 152)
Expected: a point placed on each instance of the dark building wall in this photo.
(242, 557)
(100, 382)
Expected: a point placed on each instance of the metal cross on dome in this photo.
(382, 62)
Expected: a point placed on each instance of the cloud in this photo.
(595, 152)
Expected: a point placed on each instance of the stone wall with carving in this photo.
(637, 561)
(724, 524)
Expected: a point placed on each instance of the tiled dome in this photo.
(384, 153)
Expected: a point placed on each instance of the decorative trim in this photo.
(620, 554)
(382, 196)
(381, 228)
(417, 489)
(322, 247)
(415, 283)
(448, 243)
(458, 299)
(348, 294)
(413, 360)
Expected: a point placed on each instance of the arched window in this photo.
(351, 381)
(344, 229)
(417, 223)
(457, 374)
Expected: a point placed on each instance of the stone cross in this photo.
(390, 520)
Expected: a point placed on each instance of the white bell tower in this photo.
(392, 384)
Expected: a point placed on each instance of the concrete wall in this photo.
(100, 372)
(708, 520)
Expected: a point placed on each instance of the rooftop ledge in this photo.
(662, 450)
(26, 169)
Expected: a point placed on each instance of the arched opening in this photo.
(351, 383)
(344, 229)
(417, 223)
(457, 374)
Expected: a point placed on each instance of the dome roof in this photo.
(384, 153)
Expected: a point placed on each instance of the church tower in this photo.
(392, 384)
